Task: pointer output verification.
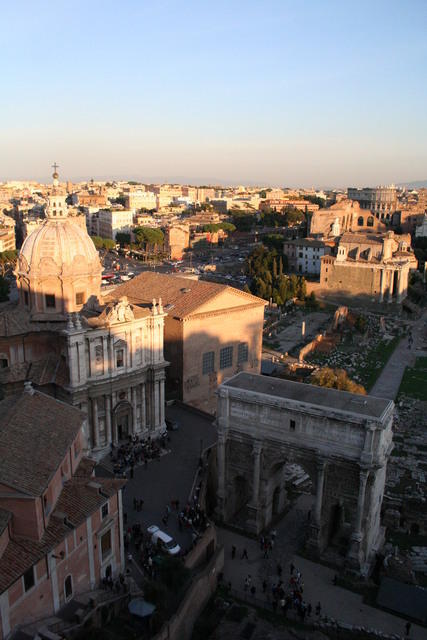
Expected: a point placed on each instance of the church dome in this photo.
(58, 269)
(62, 241)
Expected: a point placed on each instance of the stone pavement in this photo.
(337, 602)
(388, 383)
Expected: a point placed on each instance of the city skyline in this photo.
(281, 94)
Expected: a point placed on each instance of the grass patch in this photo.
(414, 381)
(377, 356)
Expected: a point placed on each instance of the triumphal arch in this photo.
(342, 441)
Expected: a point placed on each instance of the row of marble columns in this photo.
(387, 285)
(152, 412)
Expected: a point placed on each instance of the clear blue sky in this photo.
(301, 92)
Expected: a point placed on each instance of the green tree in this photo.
(4, 289)
(123, 238)
(149, 237)
(8, 261)
(335, 379)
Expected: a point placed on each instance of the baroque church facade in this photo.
(104, 357)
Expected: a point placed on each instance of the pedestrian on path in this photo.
(264, 586)
(244, 555)
(408, 629)
(292, 569)
(279, 569)
(318, 609)
(233, 552)
(253, 591)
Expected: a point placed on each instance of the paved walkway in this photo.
(337, 602)
(388, 383)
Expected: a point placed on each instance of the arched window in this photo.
(370, 221)
(360, 221)
(4, 361)
(68, 587)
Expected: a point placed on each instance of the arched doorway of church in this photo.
(123, 420)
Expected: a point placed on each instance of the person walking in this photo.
(279, 569)
(244, 555)
(264, 586)
(408, 629)
(292, 568)
(233, 552)
(318, 609)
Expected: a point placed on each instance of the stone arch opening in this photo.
(370, 221)
(123, 420)
(240, 495)
(360, 221)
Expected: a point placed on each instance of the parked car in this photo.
(163, 541)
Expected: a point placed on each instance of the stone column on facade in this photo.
(256, 454)
(105, 355)
(108, 418)
(255, 516)
(363, 478)
(143, 408)
(314, 543)
(156, 403)
(95, 426)
(134, 409)
(162, 402)
(354, 558)
(221, 501)
(366, 456)
(114, 425)
(321, 467)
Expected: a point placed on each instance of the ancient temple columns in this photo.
(382, 285)
(391, 285)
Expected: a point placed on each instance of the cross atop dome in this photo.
(55, 174)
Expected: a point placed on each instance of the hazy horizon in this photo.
(283, 93)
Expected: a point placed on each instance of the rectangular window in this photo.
(226, 357)
(50, 300)
(104, 510)
(119, 358)
(292, 425)
(242, 352)
(208, 362)
(29, 580)
(106, 545)
(80, 298)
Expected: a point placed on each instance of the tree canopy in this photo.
(225, 226)
(149, 236)
(335, 379)
(265, 267)
(103, 243)
(8, 261)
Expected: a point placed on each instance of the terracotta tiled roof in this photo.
(184, 295)
(15, 320)
(78, 500)
(5, 516)
(35, 433)
(52, 369)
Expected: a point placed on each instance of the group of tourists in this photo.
(136, 451)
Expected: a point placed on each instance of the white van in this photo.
(163, 541)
